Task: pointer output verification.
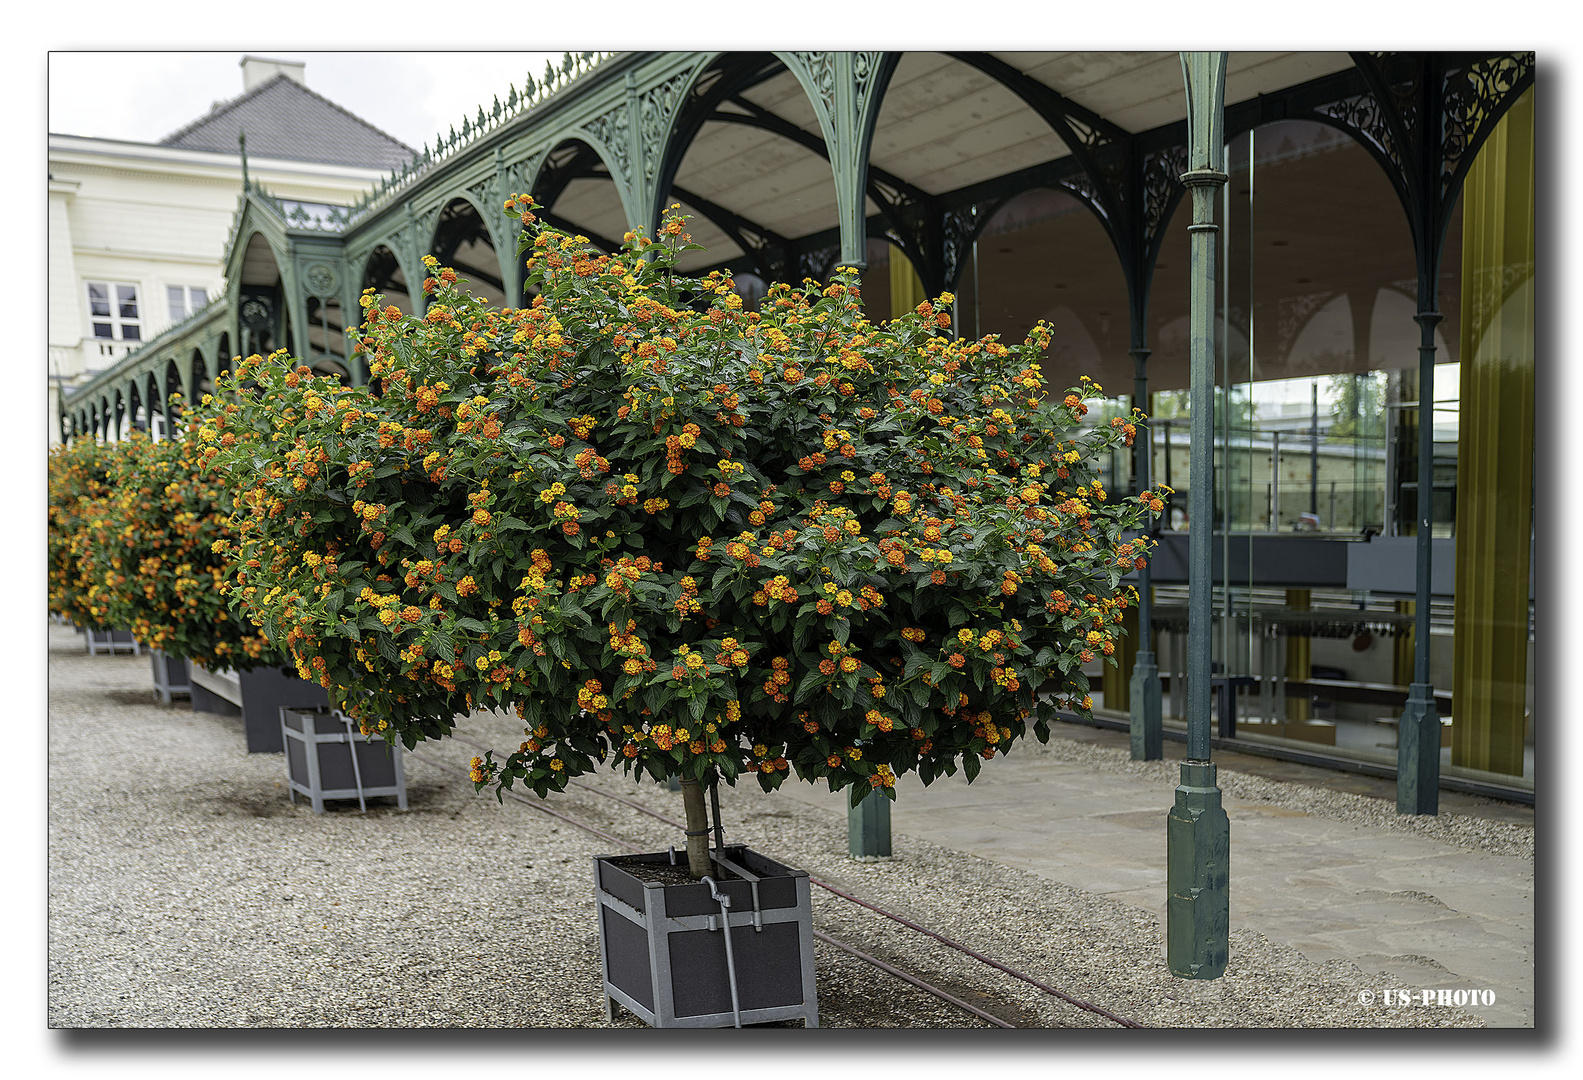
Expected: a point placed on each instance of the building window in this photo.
(112, 308)
(185, 299)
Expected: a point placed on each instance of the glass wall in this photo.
(1316, 422)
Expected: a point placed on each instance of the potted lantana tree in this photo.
(680, 536)
(157, 571)
(78, 488)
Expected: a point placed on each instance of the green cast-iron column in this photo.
(1198, 833)
(1143, 690)
(1418, 731)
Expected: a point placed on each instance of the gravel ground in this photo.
(1460, 830)
(185, 891)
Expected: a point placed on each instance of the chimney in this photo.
(258, 69)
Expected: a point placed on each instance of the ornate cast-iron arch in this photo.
(767, 253)
(199, 382)
(152, 400)
(461, 229)
(262, 320)
(575, 157)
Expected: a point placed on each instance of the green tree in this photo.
(675, 535)
(1357, 406)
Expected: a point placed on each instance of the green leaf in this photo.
(807, 685)
(970, 765)
(387, 648)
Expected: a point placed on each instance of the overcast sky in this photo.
(409, 95)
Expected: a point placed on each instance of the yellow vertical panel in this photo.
(1402, 647)
(1299, 652)
(1117, 681)
(906, 287)
(1495, 450)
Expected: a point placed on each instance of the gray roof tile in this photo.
(284, 119)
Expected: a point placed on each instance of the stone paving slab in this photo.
(1418, 911)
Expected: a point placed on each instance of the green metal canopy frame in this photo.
(630, 119)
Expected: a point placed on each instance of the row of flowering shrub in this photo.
(77, 486)
(133, 527)
(669, 531)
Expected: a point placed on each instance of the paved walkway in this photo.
(1422, 912)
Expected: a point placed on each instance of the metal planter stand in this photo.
(112, 642)
(327, 759)
(170, 676)
(718, 953)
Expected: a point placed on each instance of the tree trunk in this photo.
(698, 861)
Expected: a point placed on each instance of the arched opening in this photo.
(749, 168)
(327, 344)
(136, 415)
(157, 428)
(175, 398)
(382, 273)
(462, 242)
(262, 319)
(576, 193)
(198, 370)
(1043, 255)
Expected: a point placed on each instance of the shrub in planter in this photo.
(76, 487)
(155, 563)
(693, 539)
(155, 571)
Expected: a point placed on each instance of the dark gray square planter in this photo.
(258, 695)
(327, 758)
(664, 952)
(170, 675)
(111, 641)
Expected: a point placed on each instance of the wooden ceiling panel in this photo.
(739, 157)
(718, 246)
(1143, 90)
(593, 205)
(783, 95)
(935, 127)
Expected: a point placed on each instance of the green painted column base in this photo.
(1144, 700)
(1197, 871)
(868, 827)
(1418, 753)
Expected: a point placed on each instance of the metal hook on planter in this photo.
(751, 878)
(731, 964)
